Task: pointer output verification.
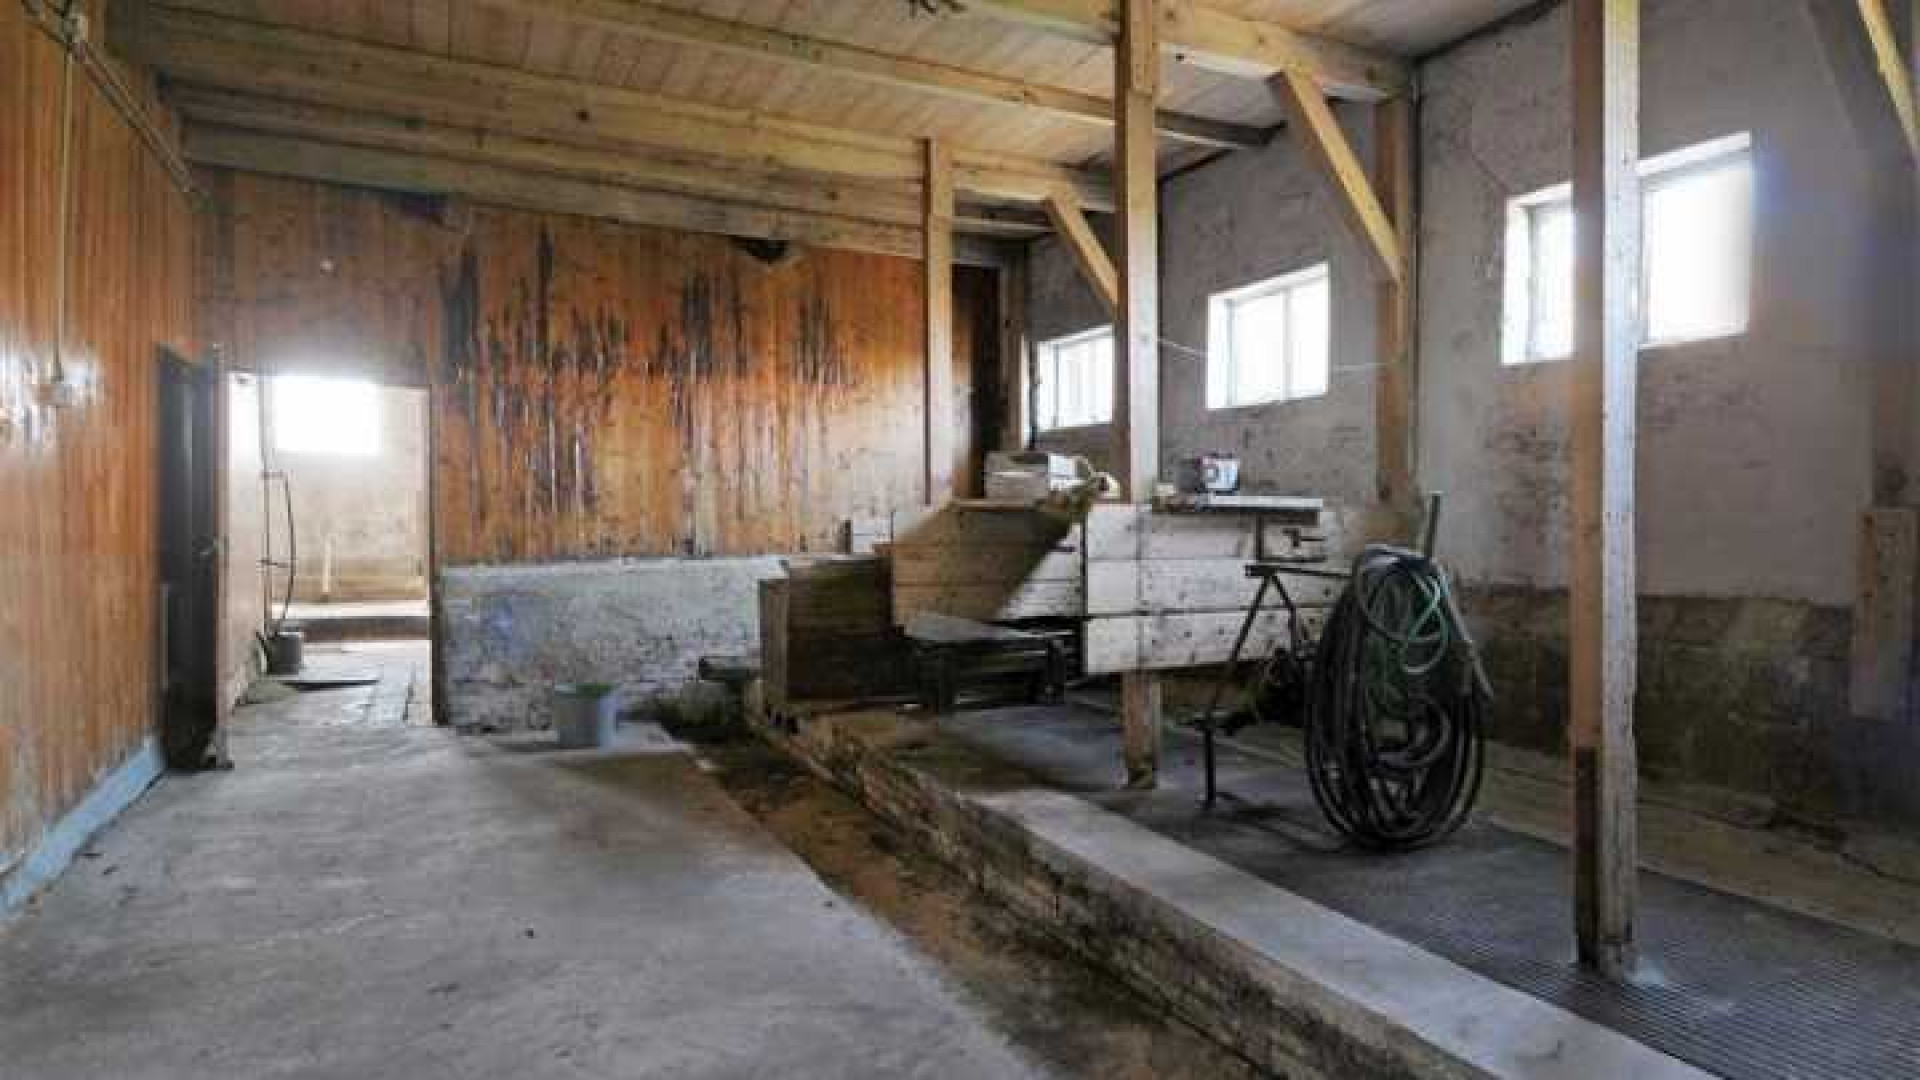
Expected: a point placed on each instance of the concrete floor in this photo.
(362, 897)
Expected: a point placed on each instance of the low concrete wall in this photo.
(1744, 693)
(1295, 988)
(509, 632)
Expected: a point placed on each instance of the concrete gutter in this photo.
(1293, 986)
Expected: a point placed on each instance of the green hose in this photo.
(1396, 706)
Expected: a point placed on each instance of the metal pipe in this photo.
(62, 213)
(70, 29)
(1430, 532)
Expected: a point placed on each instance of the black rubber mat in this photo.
(1731, 986)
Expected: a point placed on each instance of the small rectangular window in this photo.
(1696, 254)
(325, 416)
(1073, 379)
(1270, 341)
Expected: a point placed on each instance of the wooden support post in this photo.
(1603, 638)
(1016, 409)
(938, 266)
(1396, 395)
(1136, 386)
(1880, 684)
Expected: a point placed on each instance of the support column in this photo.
(1602, 637)
(937, 229)
(1136, 383)
(1016, 409)
(1396, 394)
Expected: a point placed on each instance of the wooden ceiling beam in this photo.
(1318, 132)
(1220, 41)
(1078, 238)
(233, 54)
(422, 174)
(868, 65)
(1891, 68)
(686, 174)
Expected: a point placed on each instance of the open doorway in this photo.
(346, 538)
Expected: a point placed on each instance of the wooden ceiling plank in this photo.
(869, 65)
(421, 174)
(278, 62)
(665, 171)
(687, 174)
(1220, 41)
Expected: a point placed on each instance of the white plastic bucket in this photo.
(584, 715)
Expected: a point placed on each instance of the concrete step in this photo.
(363, 628)
(1294, 987)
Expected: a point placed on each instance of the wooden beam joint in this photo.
(1070, 224)
(1320, 135)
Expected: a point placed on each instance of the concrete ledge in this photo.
(68, 836)
(1295, 987)
(509, 632)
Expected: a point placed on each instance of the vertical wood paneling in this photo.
(77, 533)
(602, 389)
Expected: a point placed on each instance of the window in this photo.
(1269, 341)
(325, 416)
(1697, 254)
(1074, 377)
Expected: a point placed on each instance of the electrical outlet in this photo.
(58, 393)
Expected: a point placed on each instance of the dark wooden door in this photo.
(189, 563)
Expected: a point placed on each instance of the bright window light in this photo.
(325, 416)
(1270, 341)
(1074, 380)
(1697, 254)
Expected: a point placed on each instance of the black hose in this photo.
(1396, 709)
(293, 549)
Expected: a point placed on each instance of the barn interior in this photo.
(1123, 538)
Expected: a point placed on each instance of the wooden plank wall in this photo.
(602, 389)
(985, 564)
(77, 484)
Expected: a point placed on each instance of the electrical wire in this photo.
(293, 551)
(1396, 706)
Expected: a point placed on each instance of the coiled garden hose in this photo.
(1396, 706)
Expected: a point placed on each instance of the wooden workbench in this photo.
(1155, 589)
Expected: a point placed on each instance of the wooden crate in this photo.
(825, 633)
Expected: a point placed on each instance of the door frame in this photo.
(189, 558)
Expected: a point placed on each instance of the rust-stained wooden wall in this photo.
(599, 389)
(77, 536)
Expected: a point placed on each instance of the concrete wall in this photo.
(1059, 303)
(510, 632)
(243, 600)
(1754, 456)
(1754, 452)
(369, 512)
(1244, 218)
